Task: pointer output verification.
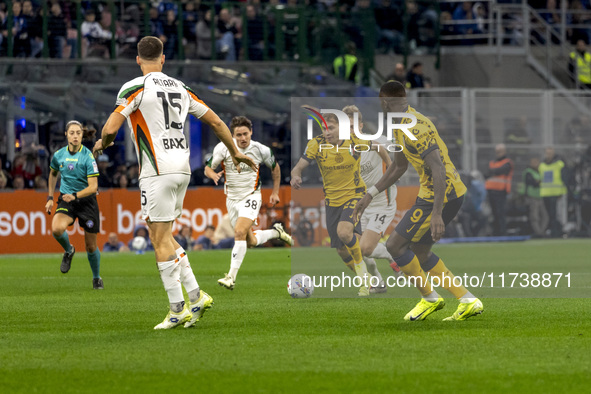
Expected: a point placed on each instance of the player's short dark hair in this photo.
(393, 89)
(239, 121)
(149, 48)
(210, 227)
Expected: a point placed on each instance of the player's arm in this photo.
(51, 189)
(393, 172)
(296, 173)
(383, 153)
(214, 162)
(433, 161)
(276, 175)
(110, 130)
(223, 133)
(211, 174)
(391, 176)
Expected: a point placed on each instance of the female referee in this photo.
(77, 199)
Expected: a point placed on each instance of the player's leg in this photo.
(87, 211)
(188, 279)
(242, 229)
(259, 237)
(345, 231)
(94, 259)
(243, 215)
(346, 257)
(367, 243)
(59, 225)
(159, 203)
(199, 301)
(375, 222)
(413, 226)
(434, 266)
(170, 273)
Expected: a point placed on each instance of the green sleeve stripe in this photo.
(128, 92)
(55, 169)
(208, 164)
(92, 175)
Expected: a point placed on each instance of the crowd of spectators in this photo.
(469, 22)
(209, 32)
(411, 79)
(215, 30)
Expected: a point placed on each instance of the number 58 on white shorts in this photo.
(248, 207)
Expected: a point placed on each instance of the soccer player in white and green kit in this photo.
(155, 107)
(77, 199)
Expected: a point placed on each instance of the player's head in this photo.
(500, 150)
(74, 133)
(149, 52)
(393, 97)
(241, 128)
(332, 133)
(351, 110)
(534, 163)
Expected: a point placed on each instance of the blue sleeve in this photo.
(54, 165)
(91, 166)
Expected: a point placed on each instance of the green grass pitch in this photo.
(59, 336)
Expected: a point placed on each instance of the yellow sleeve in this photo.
(426, 140)
(311, 150)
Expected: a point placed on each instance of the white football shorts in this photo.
(248, 207)
(378, 218)
(162, 196)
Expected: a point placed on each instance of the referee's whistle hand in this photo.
(48, 207)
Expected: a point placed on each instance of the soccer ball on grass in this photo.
(300, 286)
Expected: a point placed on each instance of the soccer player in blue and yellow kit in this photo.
(343, 187)
(440, 197)
(77, 200)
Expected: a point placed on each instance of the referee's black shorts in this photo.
(86, 210)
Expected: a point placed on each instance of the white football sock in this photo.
(468, 297)
(372, 267)
(187, 276)
(263, 236)
(432, 297)
(381, 252)
(238, 253)
(170, 273)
